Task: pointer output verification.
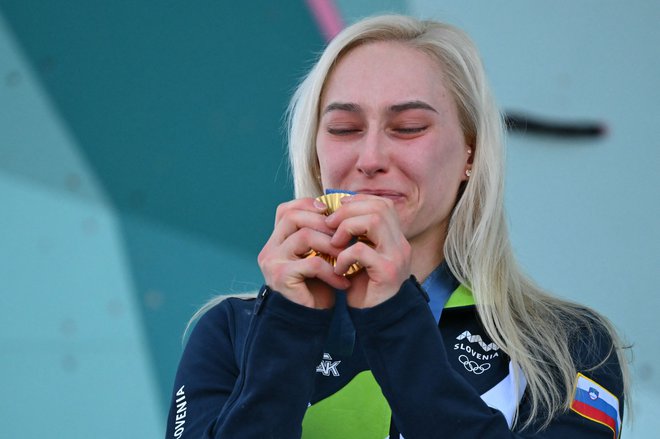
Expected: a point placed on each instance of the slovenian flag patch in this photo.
(594, 402)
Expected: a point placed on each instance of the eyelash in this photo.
(411, 130)
(349, 131)
(342, 131)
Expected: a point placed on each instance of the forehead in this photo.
(386, 73)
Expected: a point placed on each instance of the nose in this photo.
(372, 156)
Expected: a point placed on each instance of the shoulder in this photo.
(222, 312)
(227, 306)
(217, 339)
(592, 339)
(599, 360)
(221, 321)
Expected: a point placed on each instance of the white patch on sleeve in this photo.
(506, 395)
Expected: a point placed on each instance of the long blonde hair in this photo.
(532, 327)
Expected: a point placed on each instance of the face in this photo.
(389, 127)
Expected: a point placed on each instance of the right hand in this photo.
(300, 226)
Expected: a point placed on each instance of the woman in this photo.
(398, 112)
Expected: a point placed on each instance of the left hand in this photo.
(386, 262)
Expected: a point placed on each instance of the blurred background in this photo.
(142, 156)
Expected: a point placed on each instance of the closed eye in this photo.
(343, 131)
(410, 130)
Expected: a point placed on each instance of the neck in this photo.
(427, 254)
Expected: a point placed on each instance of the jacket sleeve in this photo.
(428, 398)
(262, 392)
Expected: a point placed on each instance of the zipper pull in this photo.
(261, 297)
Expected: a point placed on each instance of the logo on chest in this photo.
(474, 353)
(328, 366)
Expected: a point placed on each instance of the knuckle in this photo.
(359, 248)
(282, 209)
(375, 220)
(341, 233)
(279, 213)
(304, 234)
(262, 258)
(267, 270)
(315, 263)
(346, 254)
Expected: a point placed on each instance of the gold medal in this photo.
(332, 200)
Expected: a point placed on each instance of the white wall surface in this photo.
(585, 214)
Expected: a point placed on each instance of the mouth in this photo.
(393, 195)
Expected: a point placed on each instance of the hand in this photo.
(300, 226)
(386, 259)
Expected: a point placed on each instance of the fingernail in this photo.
(319, 205)
(346, 199)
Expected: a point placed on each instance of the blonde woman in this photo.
(439, 334)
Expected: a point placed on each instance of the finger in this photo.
(381, 230)
(359, 253)
(292, 220)
(302, 241)
(309, 204)
(383, 269)
(320, 269)
(364, 215)
(285, 270)
(357, 205)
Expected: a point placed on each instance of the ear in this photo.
(469, 159)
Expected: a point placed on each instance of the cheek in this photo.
(440, 170)
(333, 166)
(451, 161)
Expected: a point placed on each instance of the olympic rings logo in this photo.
(473, 366)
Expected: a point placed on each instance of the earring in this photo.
(469, 151)
(468, 172)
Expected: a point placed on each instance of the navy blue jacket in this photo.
(260, 368)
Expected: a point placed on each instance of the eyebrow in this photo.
(411, 105)
(396, 108)
(342, 106)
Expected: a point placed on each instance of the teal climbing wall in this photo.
(142, 157)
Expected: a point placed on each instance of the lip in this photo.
(381, 193)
